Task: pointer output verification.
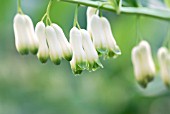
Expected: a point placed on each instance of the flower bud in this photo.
(55, 50)
(43, 53)
(144, 67)
(98, 35)
(33, 40)
(65, 45)
(21, 41)
(164, 62)
(78, 52)
(113, 48)
(90, 51)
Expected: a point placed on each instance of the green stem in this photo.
(47, 14)
(19, 7)
(48, 11)
(155, 13)
(76, 16)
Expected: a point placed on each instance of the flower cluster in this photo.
(144, 67)
(83, 50)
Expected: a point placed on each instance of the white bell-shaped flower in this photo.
(164, 63)
(43, 52)
(147, 58)
(91, 53)
(55, 50)
(144, 67)
(21, 40)
(112, 47)
(33, 40)
(65, 45)
(98, 35)
(79, 56)
(90, 12)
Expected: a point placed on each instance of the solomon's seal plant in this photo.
(84, 48)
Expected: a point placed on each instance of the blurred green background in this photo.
(29, 87)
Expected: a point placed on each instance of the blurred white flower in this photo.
(91, 53)
(65, 45)
(21, 40)
(157, 4)
(43, 52)
(164, 63)
(55, 50)
(144, 67)
(25, 38)
(79, 56)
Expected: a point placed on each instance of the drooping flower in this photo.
(33, 40)
(79, 57)
(144, 67)
(43, 52)
(65, 45)
(90, 12)
(164, 63)
(90, 51)
(98, 35)
(55, 50)
(21, 40)
(25, 38)
(112, 47)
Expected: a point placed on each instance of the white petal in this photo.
(33, 40)
(43, 52)
(65, 45)
(98, 34)
(111, 42)
(76, 44)
(21, 40)
(55, 50)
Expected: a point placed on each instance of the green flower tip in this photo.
(56, 61)
(34, 50)
(93, 66)
(150, 78)
(68, 57)
(77, 70)
(101, 51)
(23, 51)
(167, 84)
(143, 83)
(43, 59)
(82, 65)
